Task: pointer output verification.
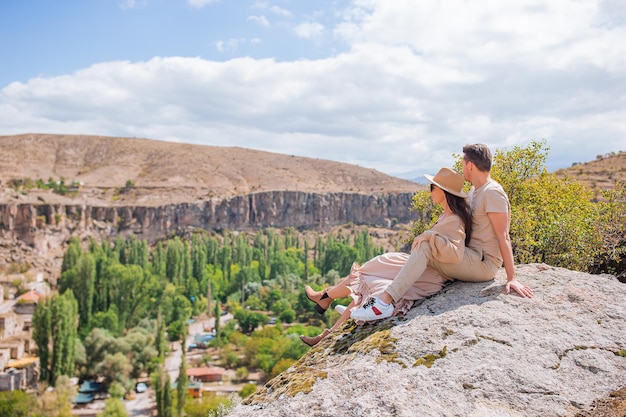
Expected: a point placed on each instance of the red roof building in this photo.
(29, 297)
(206, 373)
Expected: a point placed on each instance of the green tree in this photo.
(159, 341)
(83, 287)
(218, 315)
(612, 228)
(108, 320)
(139, 348)
(16, 404)
(280, 366)
(132, 288)
(63, 312)
(182, 383)
(71, 255)
(287, 316)
(167, 398)
(42, 331)
(250, 320)
(114, 407)
(163, 395)
(209, 405)
(554, 223)
(116, 368)
(96, 343)
(247, 390)
(56, 402)
(339, 257)
(242, 373)
(174, 267)
(553, 219)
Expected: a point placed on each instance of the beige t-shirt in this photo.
(489, 198)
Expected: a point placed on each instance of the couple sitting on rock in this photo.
(469, 242)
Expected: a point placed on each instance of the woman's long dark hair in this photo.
(460, 207)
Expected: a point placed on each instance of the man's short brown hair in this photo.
(479, 155)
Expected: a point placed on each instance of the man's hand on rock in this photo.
(519, 288)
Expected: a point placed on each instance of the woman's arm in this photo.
(446, 238)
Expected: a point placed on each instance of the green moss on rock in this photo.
(429, 359)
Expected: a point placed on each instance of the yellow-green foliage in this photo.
(423, 204)
(554, 220)
(612, 227)
(247, 390)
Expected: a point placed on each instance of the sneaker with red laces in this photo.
(373, 309)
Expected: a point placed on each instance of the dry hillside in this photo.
(166, 172)
(601, 173)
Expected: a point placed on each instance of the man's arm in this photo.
(500, 224)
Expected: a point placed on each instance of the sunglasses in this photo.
(432, 187)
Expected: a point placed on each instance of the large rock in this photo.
(470, 350)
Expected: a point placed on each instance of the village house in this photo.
(18, 365)
(206, 374)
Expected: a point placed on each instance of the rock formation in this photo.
(35, 223)
(470, 350)
(37, 234)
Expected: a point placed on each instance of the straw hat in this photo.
(449, 180)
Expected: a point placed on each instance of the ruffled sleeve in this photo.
(447, 240)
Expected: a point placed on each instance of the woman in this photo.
(447, 238)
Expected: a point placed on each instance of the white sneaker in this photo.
(372, 310)
(340, 309)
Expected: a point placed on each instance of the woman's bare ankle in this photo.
(386, 298)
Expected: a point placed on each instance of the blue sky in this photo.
(50, 38)
(398, 86)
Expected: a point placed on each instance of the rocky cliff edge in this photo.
(470, 350)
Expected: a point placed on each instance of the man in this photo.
(489, 247)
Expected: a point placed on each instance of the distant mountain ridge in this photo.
(167, 172)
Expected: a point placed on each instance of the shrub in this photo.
(553, 220)
(247, 390)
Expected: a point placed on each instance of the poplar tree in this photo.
(71, 255)
(159, 341)
(55, 325)
(163, 393)
(182, 382)
(218, 314)
(42, 328)
(84, 287)
(158, 260)
(306, 260)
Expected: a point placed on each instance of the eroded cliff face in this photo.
(46, 226)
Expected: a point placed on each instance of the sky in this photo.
(399, 86)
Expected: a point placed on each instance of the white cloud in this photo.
(309, 29)
(200, 3)
(127, 4)
(231, 45)
(276, 10)
(132, 4)
(420, 80)
(261, 20)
